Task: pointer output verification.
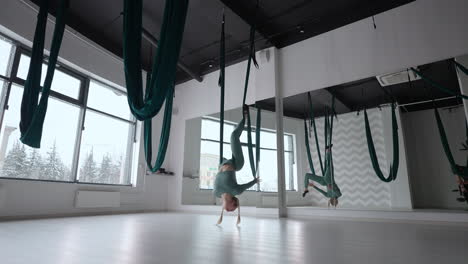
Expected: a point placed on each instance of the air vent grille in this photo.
(397, 78)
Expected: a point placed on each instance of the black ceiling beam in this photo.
(145, 33)
(315, 26)
(252, 17)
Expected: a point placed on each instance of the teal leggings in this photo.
(237, 159)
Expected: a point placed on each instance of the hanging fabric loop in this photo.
(32, 112)
(461, 171)
(164, 62)
(372, 153)
(164, 139)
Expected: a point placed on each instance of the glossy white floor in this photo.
(189, 238)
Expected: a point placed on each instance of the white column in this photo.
(463, 81)
(282, 212)
(400, 191)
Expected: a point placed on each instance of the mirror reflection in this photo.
(392, 142)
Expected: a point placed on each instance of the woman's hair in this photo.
(235, 202)
(333, 201)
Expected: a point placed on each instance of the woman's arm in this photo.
(242, 187)
(321, 191)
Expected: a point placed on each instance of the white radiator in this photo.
(97, 199)
(2, 196)
(269, 200)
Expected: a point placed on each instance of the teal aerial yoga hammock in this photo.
(312, 121)
(461, 171)
(373, 155)
(161, 80)
(165, 60)
(221, 83)
(328, 178)
(254, 162)
(32, 112)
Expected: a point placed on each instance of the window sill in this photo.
(66, 182)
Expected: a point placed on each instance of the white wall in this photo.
(43, 198)
(429, 170)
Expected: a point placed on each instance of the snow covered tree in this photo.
(116, 171)
(34, 164)
(106, 170)
(15, 164)
(53, 168)
(88, 171)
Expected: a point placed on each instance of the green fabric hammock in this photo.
(32, 112)
(161, 80)
(328, 120)
(253, 162)
(164, 139)
(312, 121)
(373, 155)
(309, 155)
(165, 60)
(461, 171)
(437, 85)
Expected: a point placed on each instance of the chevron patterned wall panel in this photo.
(353, 169)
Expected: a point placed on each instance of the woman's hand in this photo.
(257, 179)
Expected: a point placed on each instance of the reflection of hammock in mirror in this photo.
(461, 172)
(328, 179)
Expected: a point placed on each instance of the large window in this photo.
(209, 157)
(88, 134)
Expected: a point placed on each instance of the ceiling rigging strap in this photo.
(456, 169)
(221, 83)
(160, 80)
(253, 163)
(32, 112)
(437, 85)
(309, 155)
(164, 62)
(373, 155)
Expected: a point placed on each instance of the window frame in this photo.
(291, 160)
(11, 78)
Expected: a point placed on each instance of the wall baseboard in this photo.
(81, 214)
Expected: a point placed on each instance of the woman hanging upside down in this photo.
(462, 181)
(226, 186)
(333, 191)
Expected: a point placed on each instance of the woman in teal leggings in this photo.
(226, 186)
(333, 191)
